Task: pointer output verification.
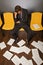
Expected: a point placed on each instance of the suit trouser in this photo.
(15, 31)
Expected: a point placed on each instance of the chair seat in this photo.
(36, 20)
(8, 21)
(21, 29)
(37, 27)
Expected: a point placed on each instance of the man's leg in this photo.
(14, 32)
(30, 33)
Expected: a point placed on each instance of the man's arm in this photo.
(15, 17)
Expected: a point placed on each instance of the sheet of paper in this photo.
(35, 52)
(20, 49)
(14, 49)
(11, 41)
(38, 45)
(2, 45)
(21, 43)
(36, 26)
(38, 60)
(25, 61)
(35, 44)
(36, 57)
(8, 55)
(25, 49)
(30, 62)
(16, 60)
(40, 42)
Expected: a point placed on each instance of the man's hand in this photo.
(18, 22)
(15, 14)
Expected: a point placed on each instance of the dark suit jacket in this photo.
(24, 17)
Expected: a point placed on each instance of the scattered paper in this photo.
(24, 61)
(30, 62)
(37, 60)
(14, 49)
(40, 42)
(36, 26)
(20, 49)
(8, 55)
(11, 41)
(24, 49)
(38, 45)
(21, 43)
(34, 43)
(2, 45)
(36, 57)
(16, 60)
(35, 52)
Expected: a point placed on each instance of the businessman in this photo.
(21, 21)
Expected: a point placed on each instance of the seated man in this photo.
(21, 21)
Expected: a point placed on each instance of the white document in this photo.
(20, 49)
(2, 45)
(21, 43)
(37, 60)
(35, 44)
(38, 45)
(40, 42)
(24, 49)
(11, 41)
(8, 55)
(25, 61)
(36, 57)
(35, 52)
(16, 60)
(14, 49)
(30, 62)
(36, 26)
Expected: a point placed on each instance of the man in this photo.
(21, 21)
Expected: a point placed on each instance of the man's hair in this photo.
(17, 8)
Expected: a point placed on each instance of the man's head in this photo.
(18, 9)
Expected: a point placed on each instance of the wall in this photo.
(8, 5)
